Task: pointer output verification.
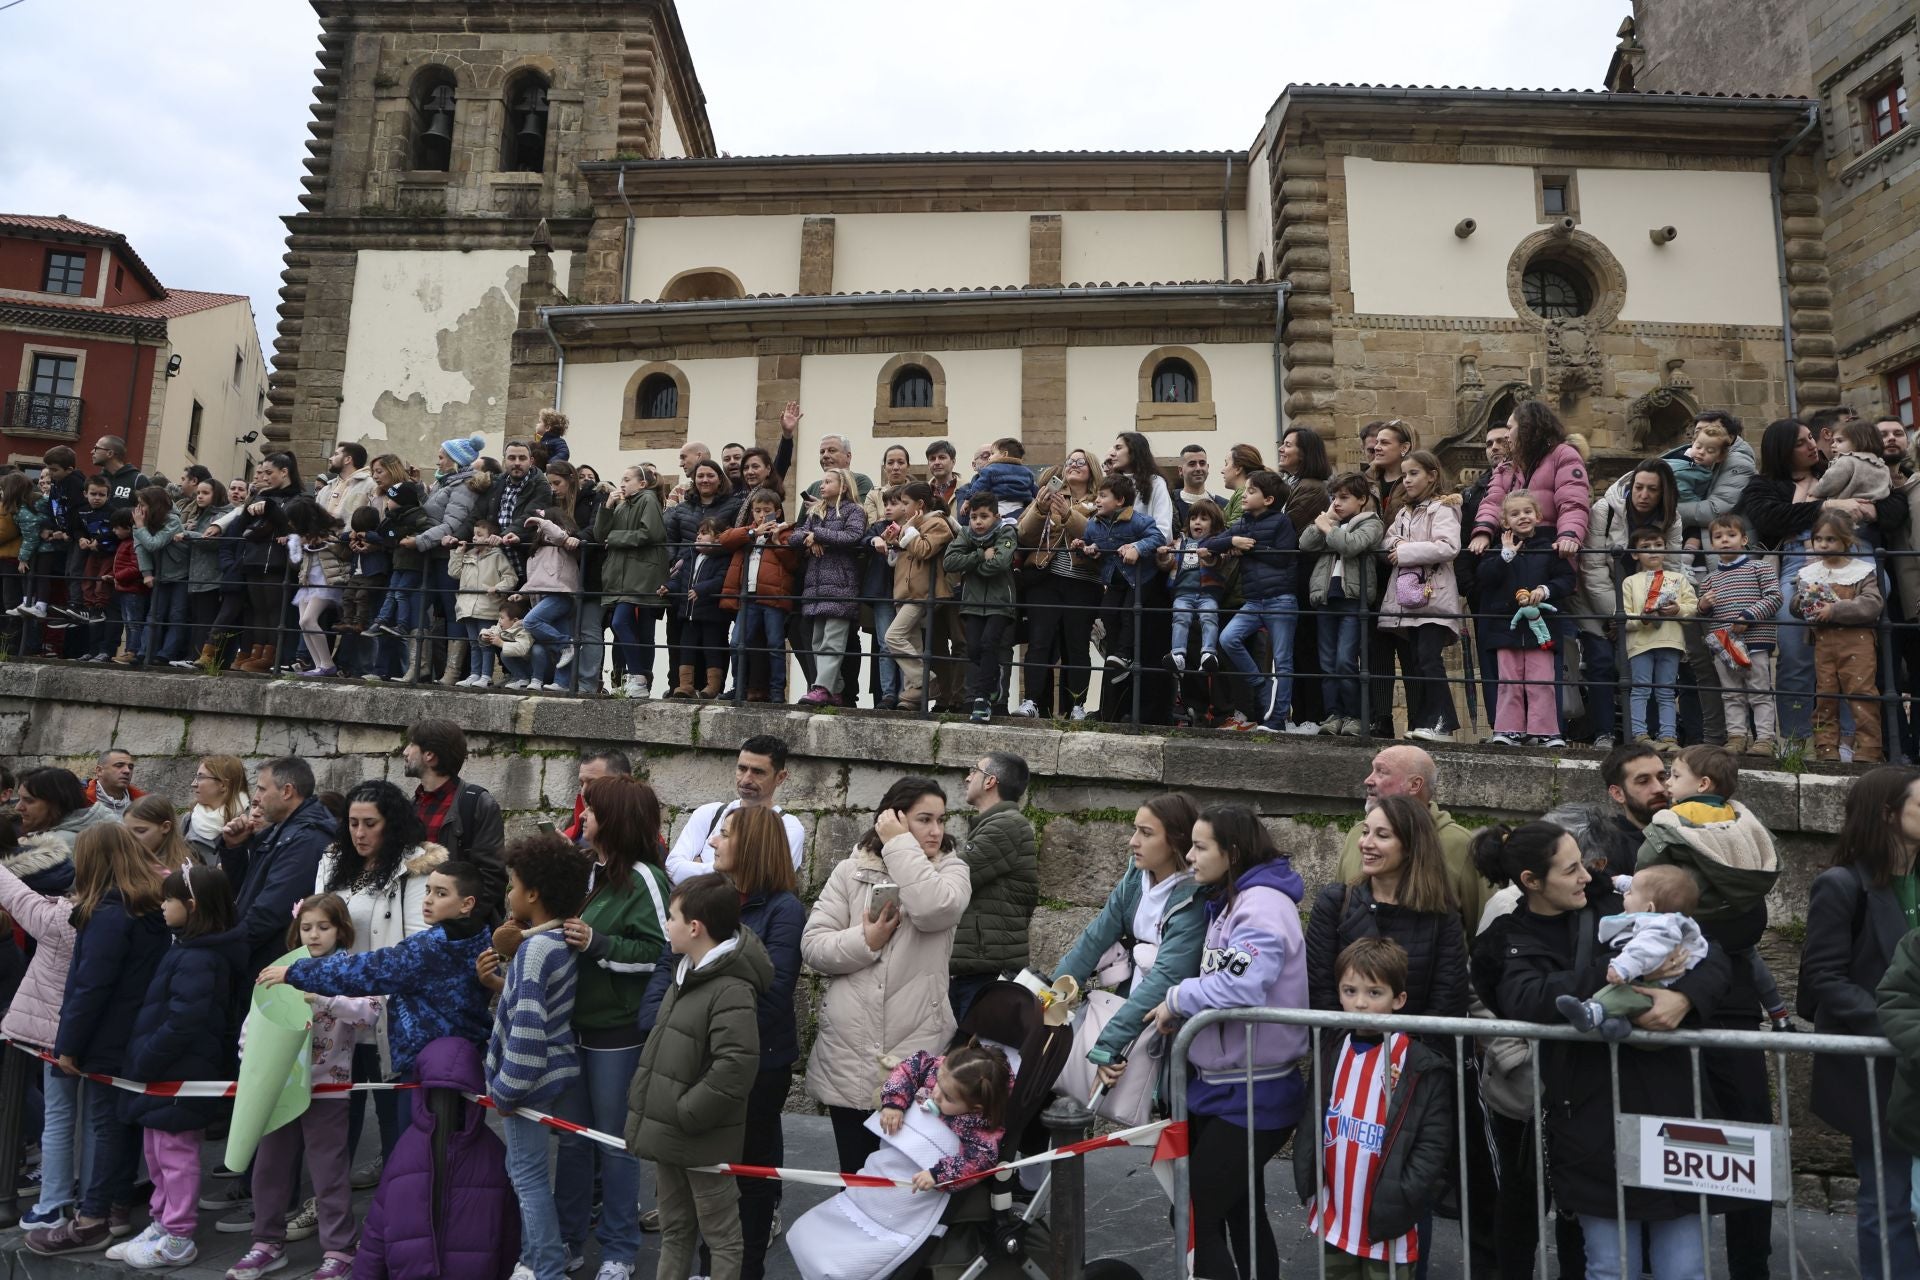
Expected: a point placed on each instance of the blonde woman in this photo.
(158, 829)
(830, 536)
(219, 796)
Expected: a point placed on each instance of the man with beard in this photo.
(461, 816)
(1610, 833)
(350, 485)
(732, 454)
(758, 772)
(518, 493)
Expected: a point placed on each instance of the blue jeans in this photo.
(590, 653)
(886, 670)
(479, 656)
(1340, 639)
(550, 623)
(598, 1098)
(1278, 616)
(763, 629)
(1655, 671)
(1189, 607)
(133, 613)
(1602, 679)
(113, 1151)
(1793, 658)
(167, 622)
(540, 1245)
(1903, 1248)
(61, 1153)
(633, 626)
(443, 593)
(400, 610)
(517, 668)
(1674, 1246)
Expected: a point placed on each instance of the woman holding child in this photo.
(1549, 947)
(882, 934)
(1645, 497)
(1060, 613)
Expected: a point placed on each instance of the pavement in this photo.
(1126, 1214)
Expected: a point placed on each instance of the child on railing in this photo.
(370, 567)
(830, 536)
(1839, 593)
(1267, 546)
(1742, 597)
(1349, 532)
(1421, 606)
(915, 546)
(485, 575)
(131, 587)
(1525, 575)
(508, 635)
(1652, 599)
(553, 586)
(696, 586)
(320, 567)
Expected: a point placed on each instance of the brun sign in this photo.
(1677, 1153)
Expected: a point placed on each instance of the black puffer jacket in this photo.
(262, 533)
(1005, 866)
(1521, 964)
(186, 1029)
(1436, 952)
(1416, 1157)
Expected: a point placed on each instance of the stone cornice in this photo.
(331, 232)
(1511, 324)
(1863, 56)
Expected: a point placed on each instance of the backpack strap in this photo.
(464, 806)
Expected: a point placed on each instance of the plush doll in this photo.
(1535, 618)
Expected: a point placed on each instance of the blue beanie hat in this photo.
(464, 451)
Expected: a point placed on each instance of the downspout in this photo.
(560, 354)
(1226, 196)
(133, 380)
(1776, 179)
(626, 246)
(1280, 367)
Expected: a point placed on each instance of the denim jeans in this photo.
(590, 653)
(550, 623)
(886, 670)
(517, 668)
(1191, 607)
(1674, 1246)
(62, 1153)
(1655, 672)
(598, 1098)
(167, 622)
(1278, 616)
(132, 608)
(113, 1151)
(763, 630)
(479, 656)
(1602, 680)
(1793, 660)
(1903, 1249)
(633, 626)
(443, 593)
(400, 610)
(1340, 639)
(541, 1248)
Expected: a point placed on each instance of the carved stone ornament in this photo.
(1574, 364)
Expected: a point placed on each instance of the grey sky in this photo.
(183, 124)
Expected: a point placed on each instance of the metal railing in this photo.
(41, 411)
(1462, 1030)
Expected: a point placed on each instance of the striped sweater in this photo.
(1747, 590)
(531, 1056)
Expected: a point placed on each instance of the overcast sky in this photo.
(183, 124)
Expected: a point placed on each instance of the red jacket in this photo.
(779, 582)
(126, 569)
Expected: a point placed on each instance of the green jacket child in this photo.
(987, 587)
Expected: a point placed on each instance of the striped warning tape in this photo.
(199, 1088)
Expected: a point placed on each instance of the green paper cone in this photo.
(276, 1071)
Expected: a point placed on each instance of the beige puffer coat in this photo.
(882, 1006)
(1427, 536)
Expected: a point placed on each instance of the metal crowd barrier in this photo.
(1460, 1031)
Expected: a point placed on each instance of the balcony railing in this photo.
(40, 411)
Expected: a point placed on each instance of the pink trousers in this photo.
(173, 1162)
(1528, 700)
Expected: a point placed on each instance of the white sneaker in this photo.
(1431, 735)
(118, 1252)
(636, 687)
(1078, 713)
(556, 687)
(614, 1271)
(38, 609)
(518, 684)
(521, 1271)
(566, 659)
(166, 1251)
(1503, 740)
(1303, 729)
(1027, 709)
(1555, 741)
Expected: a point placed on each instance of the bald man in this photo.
(692, 454)
(1401, 770)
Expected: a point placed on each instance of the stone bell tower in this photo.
(443, 133)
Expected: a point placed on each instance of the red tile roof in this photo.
(61, 225)
(32, 222)
(178, 302)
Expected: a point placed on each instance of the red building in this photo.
(85, 343)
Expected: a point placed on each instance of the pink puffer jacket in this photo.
(1560, 483)
(34, 1015)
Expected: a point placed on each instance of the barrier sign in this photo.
(1709, 1157)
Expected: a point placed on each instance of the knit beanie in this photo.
(464, 451)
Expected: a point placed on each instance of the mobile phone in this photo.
(1056, 483)
(879, 894)
(545, 826)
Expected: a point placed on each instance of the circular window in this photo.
(1556, 290)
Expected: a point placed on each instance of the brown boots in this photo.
(209, 654)
(716, 681)
(683, 687)
(259, 660)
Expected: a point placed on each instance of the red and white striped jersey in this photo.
(1353, 1137)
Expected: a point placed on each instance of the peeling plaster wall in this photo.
(428, 347)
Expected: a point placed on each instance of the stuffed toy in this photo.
(1535, 618)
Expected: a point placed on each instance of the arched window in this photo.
(1555, 289)
(431, 143)
(702, 283)
(1174, 382)
(912, 388)
(659, 397)
(523, 146)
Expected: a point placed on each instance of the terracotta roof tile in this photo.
(33, 222)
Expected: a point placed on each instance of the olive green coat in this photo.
(635, 535)
(1004, 864)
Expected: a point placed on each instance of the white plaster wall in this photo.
(1117, 246)
(1721, 269)
(837, 394)
(1256, 233)
(1405, 260)
(882, 251)
(1103, 387)
(764, 252)
(671, 145)
(205, 342)
(721, 396)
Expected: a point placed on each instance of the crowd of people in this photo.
(595, 972)
(1737, 592)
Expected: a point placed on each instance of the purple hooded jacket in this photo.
(833, 579)
(1255, 957)
(468, 1225)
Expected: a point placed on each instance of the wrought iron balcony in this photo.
(40, 411)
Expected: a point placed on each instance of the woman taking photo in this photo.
(1156, 921)
(1059, 613)
(1421, 611)
(1548, 947)
(633, 569)
(1253, 959)
(1858, 910)
(1403, 893)
(882, 934)
(620, 935)
(262, 530)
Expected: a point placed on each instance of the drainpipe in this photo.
(1776, 178)
(1226, 194)
(626, 247)
(133, 380)
(560, 353)
(1280, 367)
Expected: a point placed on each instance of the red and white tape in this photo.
(200, 1088)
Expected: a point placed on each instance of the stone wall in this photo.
(1086, 786)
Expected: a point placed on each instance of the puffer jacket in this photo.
(1003, 864)
(778, 920)
(1427, 536)
(1416, 1162)
(688, 1101)
(1899, 1002)
(114, 958)
(684, 518)
(259, 535)
(205, 556)
(485, 575)
(1730, 480)
(833, 579)
(1607, 559)
(451, 506)
(634, 563)
(158, 554)
(186, 1030)
(449, 1214)
(1535, 564)
(551, 568)
(778, 583)
(332, 557)
(1183, 928)
(919, 565)
(986, 583)
(33, 1016)
(10, 536)
(1355, 544)
(1270, 569)
(1559, 483)
(880, 1007)
(383, 914)
(1436, 949)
